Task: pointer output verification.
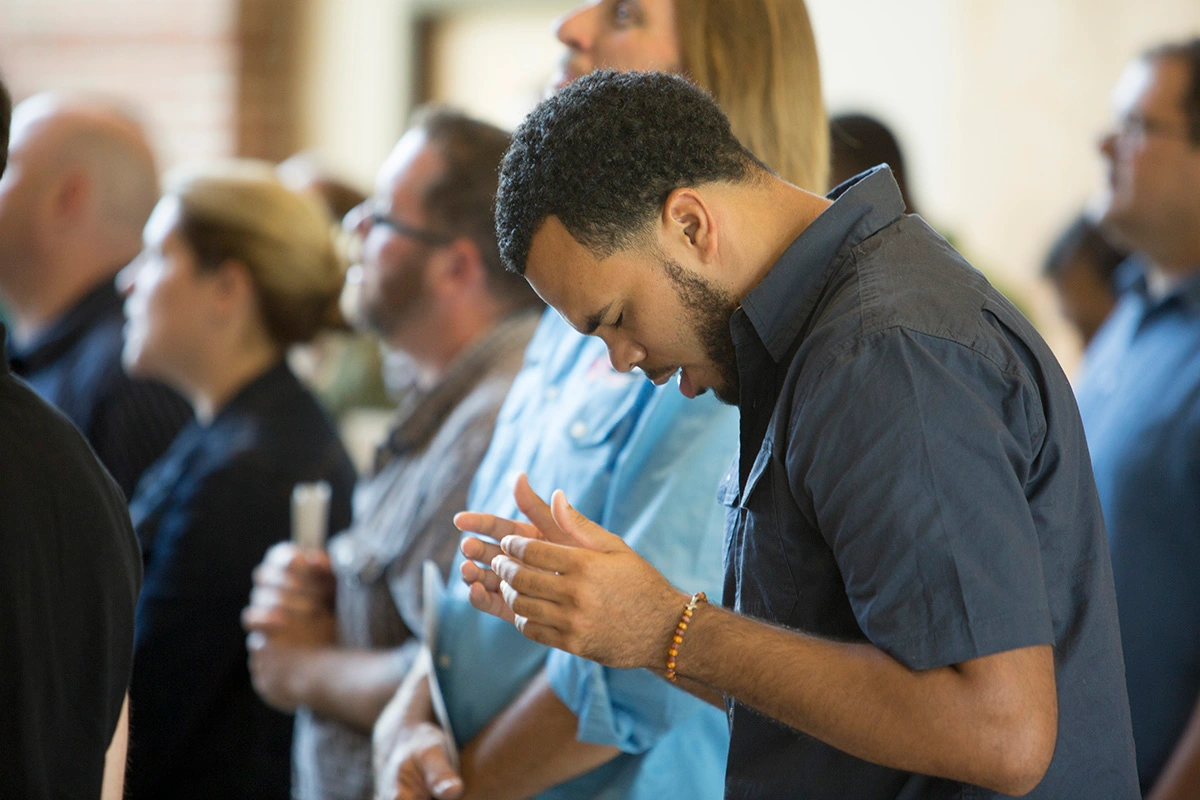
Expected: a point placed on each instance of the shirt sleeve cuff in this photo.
(627, 709)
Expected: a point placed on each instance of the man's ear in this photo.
(690, 224)
(71, 196)
(458, 268)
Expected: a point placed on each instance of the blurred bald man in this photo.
(70, 570)
(80, 184)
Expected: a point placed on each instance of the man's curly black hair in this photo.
(604, 153)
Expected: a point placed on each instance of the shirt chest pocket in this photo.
(757, 556)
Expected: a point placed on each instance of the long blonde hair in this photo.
(238, 210)
(758, 59)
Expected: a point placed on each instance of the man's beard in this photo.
(711, 311)
(397, 298)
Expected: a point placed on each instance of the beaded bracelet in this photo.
(677, 639)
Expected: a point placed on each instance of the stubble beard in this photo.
(711, 310)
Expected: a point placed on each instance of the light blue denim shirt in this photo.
(1139, 394)
(643, 462)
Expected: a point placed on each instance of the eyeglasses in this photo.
(1136, 128)
(370, 214)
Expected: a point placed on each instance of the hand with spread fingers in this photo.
(485, 586)
(567, 583)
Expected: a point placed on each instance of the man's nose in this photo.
(1107, 144)
(127, 277)
(625, 355)
(357, 220)
(576, 28)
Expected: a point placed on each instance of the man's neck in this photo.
(54, 291)
(436, 345)
(777, 213)
(1173, 253)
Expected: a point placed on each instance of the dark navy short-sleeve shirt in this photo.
(913, 474)
(75, 364)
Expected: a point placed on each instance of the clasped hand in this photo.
(290, 613)
(567, 583)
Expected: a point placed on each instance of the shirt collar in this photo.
(1131, 277)
(259, 394)
(422, 413)
(780, 305)
(65, 332)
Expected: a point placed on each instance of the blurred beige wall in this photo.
(356, 82)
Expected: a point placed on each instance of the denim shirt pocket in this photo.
(605, 415)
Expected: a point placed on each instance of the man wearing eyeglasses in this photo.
(432, 286)
(1139, 395)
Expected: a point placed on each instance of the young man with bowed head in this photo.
(1139, 393)
(920, 595)
(69, 577)
(531, 722)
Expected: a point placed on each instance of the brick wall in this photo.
(209, 77)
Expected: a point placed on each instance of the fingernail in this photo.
(446, 785)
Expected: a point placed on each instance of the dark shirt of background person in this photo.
(235, 269)
(76, 365)
(69, 577)
(57, 264)
(859, 142)
(1082, 266)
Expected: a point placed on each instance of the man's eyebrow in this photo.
(595, 320)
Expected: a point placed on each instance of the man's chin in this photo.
(725, 395)
(1119, 226)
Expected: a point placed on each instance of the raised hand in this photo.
(581, 589)
(485, 586)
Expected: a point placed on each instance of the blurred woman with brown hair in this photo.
(235, 269)
(757, 58)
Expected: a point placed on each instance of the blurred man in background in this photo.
(332, 637)
(1139, 394)
(80, 186)
(69, 576)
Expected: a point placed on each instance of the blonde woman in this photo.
(640, 458)
(757, 58)
(235, 269)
